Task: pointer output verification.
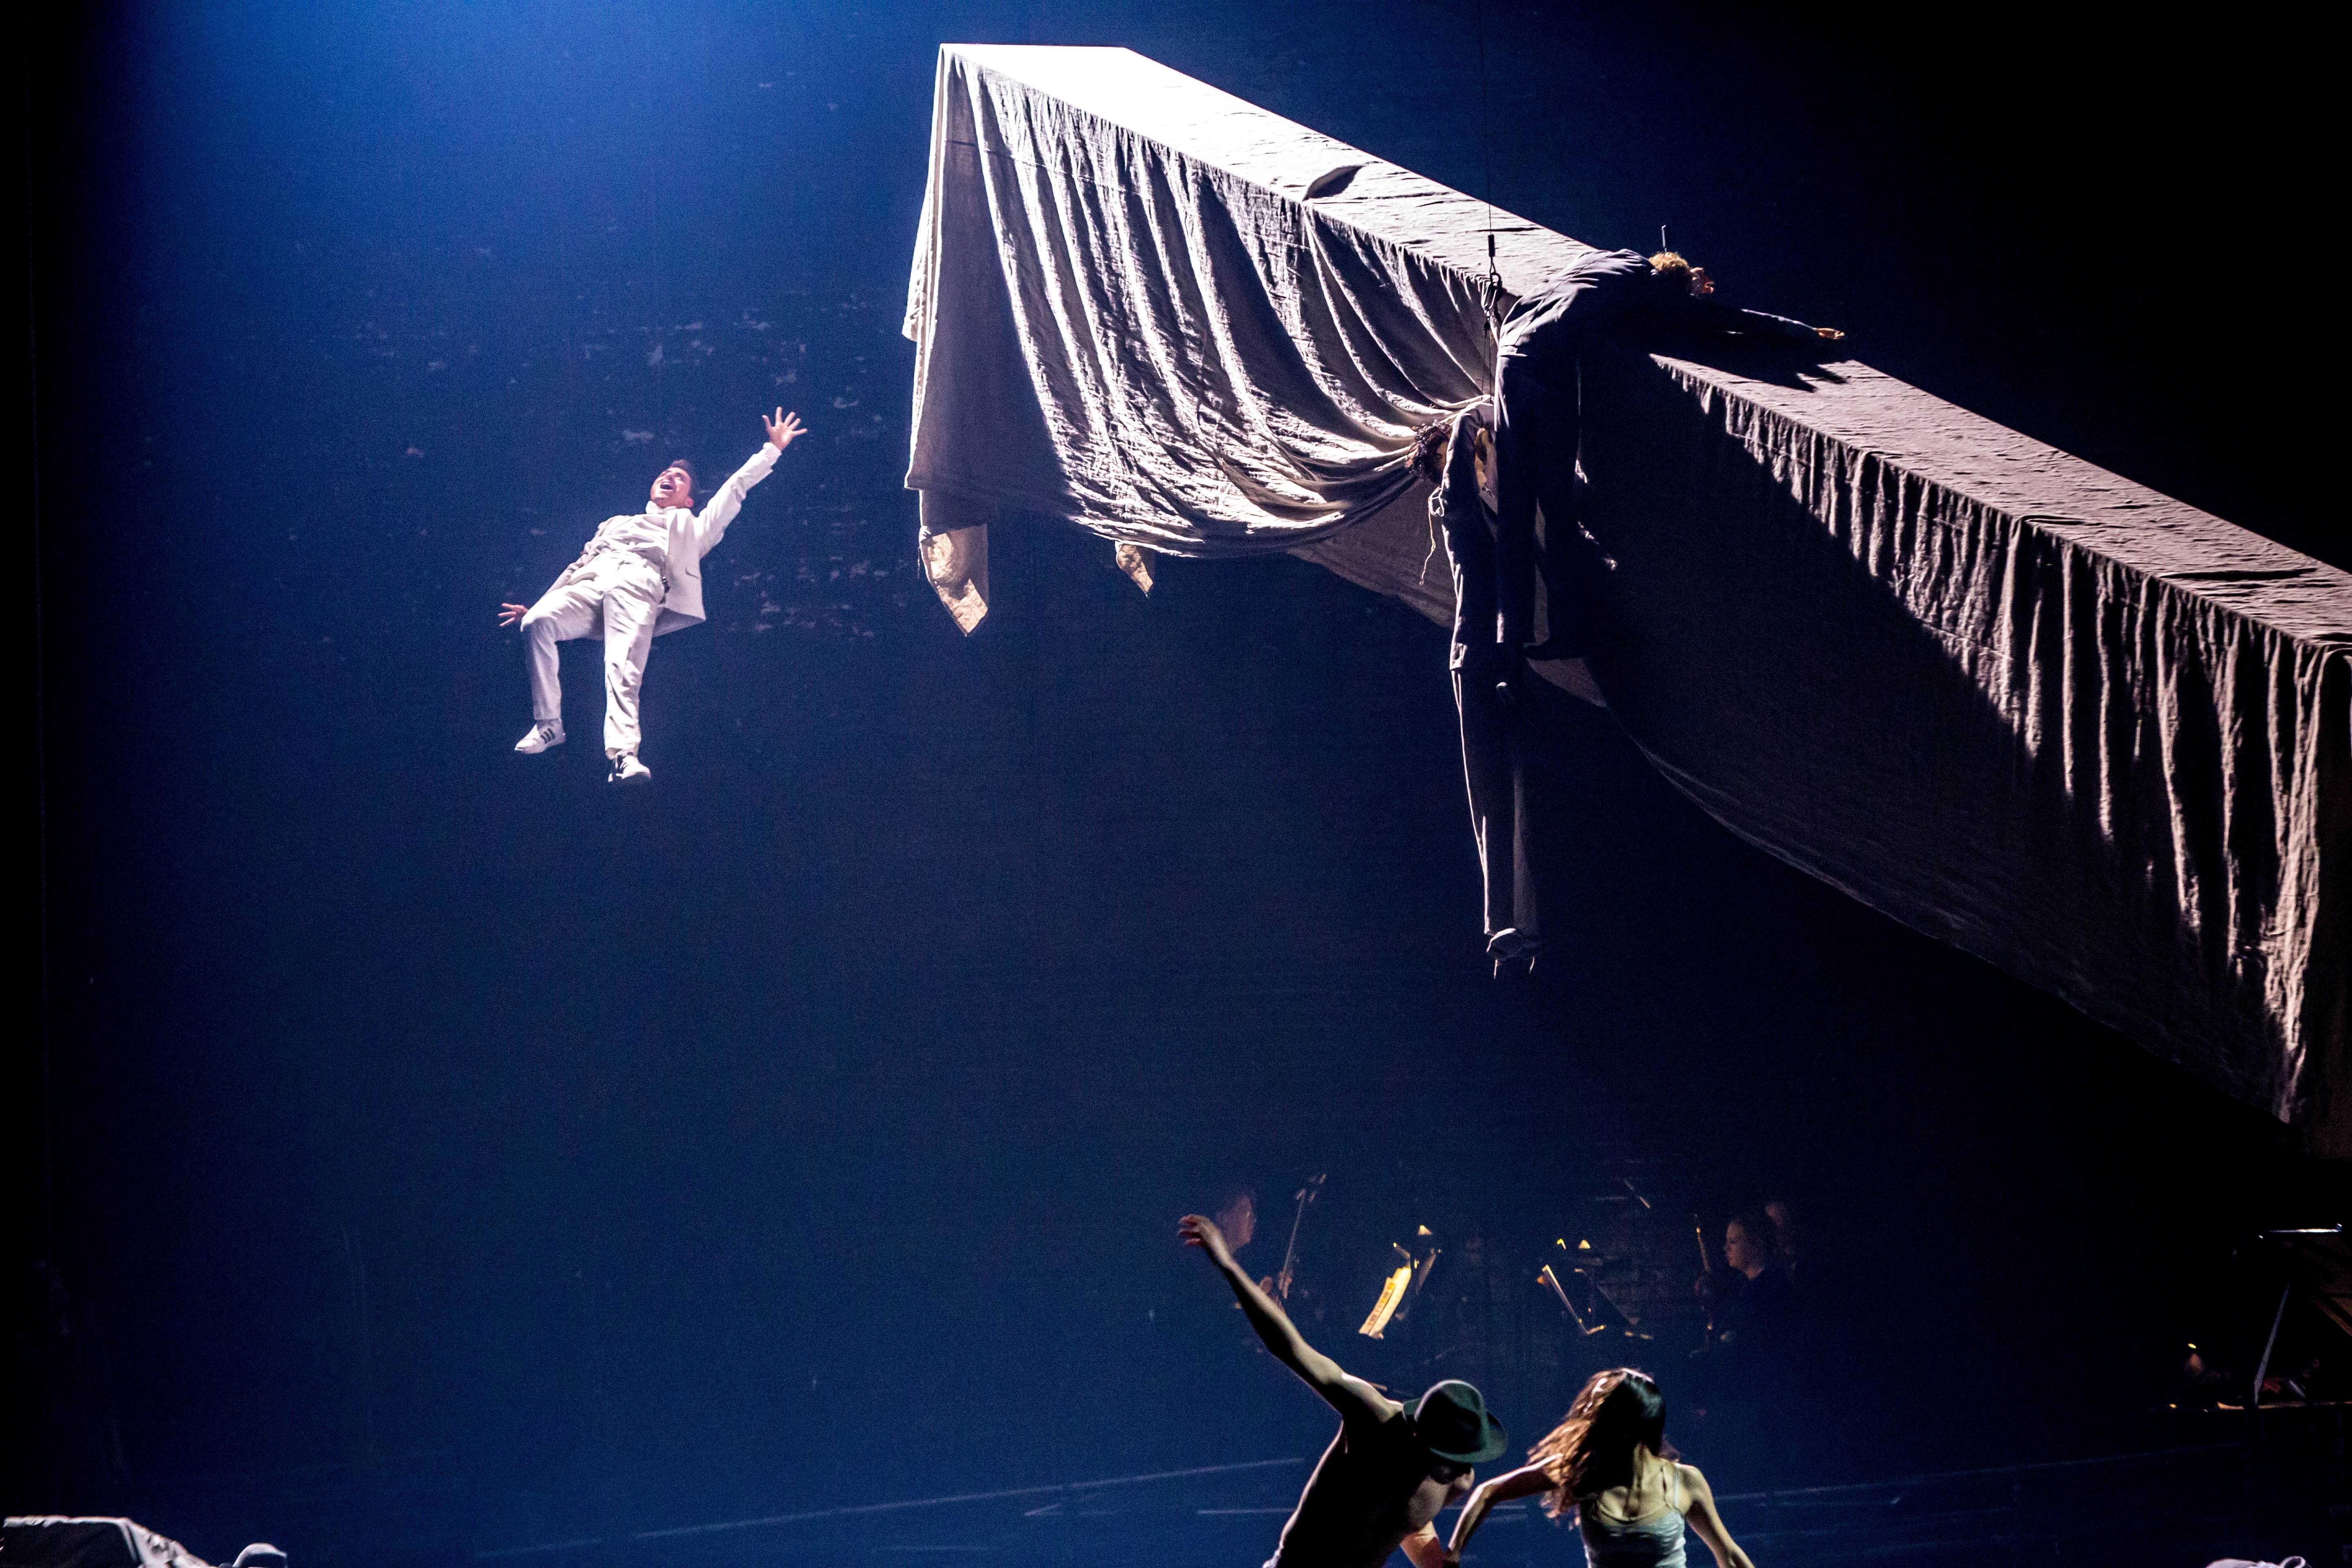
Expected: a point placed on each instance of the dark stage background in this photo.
(425, 1149)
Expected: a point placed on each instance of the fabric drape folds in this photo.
(2091, 734)
(2076, 727)
(1143, 342)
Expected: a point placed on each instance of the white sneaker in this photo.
(540, 738)
(626, 769)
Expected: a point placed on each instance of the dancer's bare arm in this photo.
(1709, 1524)
(1421, 1547)
(1527, 1480)
(1352, 1397)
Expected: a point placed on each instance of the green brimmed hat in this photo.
(1452, 1422)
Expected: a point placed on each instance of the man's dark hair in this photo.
(693, 479)
(1429, 450)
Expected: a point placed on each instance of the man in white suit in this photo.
(640, 576)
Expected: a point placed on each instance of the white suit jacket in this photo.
(693, 535)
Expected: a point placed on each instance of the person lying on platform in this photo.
(1536, 425)
(1608, 1461)
(1391, 1469)
(640, 576)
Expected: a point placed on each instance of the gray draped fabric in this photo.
(2095, 736)
(1154, 346)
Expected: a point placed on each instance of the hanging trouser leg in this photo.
(1499, 816)
(565, 611)
(1535, 428)
(1490, 751)
(632, 596)
(1536, 435)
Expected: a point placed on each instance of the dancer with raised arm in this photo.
(1392, 1468)
(640, 576)
(1608, 1461)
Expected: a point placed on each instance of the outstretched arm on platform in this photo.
(1764, 324)
(1352, 1397)
(1713, 315)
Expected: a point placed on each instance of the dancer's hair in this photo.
(1671, 264)
(693, 481)
(1593, 1449)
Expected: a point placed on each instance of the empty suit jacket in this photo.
(693, 535)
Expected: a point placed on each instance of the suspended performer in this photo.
(1455, 456)
(1538, 421)
(640, 576)
(1608, 1463)
(1392, 1468)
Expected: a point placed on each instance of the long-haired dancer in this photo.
(1608, 1460)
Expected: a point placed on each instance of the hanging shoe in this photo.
(540, 738)
(1512, 943)
(626, 769)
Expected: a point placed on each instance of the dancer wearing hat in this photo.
(1392, 1468)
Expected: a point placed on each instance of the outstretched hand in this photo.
(512, 615)
(1201, 1231)
(783, 429)
(1830, 334)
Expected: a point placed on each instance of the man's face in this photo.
(1701, 284)
(672, 488)
(1457, 1479)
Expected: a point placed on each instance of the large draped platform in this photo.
(2094, 735)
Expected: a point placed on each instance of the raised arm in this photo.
(1352, 1397)
(783, 429)
(1527, 1480)
(1709, 1524)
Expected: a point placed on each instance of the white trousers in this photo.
(619, 591)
